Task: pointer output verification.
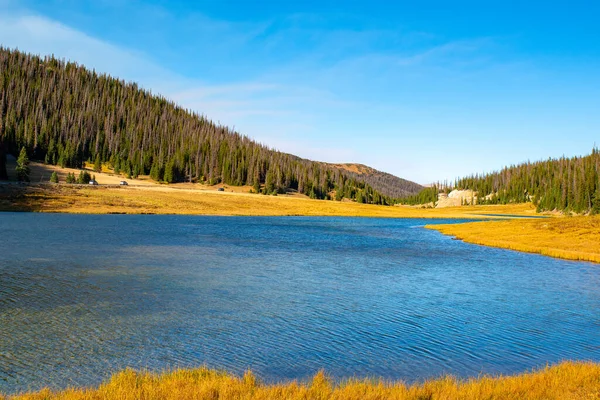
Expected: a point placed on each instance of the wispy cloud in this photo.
(43, 36)
(460, 48)
(40, 35)
(242, 105)
(245, 88)
(334, 92)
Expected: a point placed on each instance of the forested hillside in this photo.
(566, 184)
(64, 114)
(388, 184)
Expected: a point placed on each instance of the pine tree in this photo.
(54, 177)
(360, 198)
(94, 117)
(97, 164)
(256, 186)
(596, 202)
(84, 177)
(23, 166)
(565, 184)
(269, 183)
(339, 194)
(156, 172)
(169, 176)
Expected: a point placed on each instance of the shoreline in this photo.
(567, 238)
(514, 227)
(567, 380)
(162, 199)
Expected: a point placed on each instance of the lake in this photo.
(84, 296)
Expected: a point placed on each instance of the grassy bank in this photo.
(571, 238)
(173, 199)
(565, 381)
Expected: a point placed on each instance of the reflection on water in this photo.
(84, 296)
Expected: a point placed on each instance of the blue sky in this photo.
(425, 90)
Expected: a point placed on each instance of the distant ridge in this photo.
(388, 184)
(65, 114)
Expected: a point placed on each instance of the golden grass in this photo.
(572, 238)
(565, 381)
(170, 199)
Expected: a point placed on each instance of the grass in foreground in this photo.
(571, 238)
(159, 199)
(566, 381)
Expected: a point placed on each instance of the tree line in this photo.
(64, 114)
(564, 184)
(387, 184)
(425, 196)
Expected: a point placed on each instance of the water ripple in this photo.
(84, 296)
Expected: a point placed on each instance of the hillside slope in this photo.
(64, 114)
(566, 184)
(388, 184)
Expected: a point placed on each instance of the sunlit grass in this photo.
(566, 381)
(572, 238)
(158, 199)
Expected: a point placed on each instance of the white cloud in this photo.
(43, 36)
(40, 35)
(454, 56)
(292, 107)
(212, 91)
(242, 105)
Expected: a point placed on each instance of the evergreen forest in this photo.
(64, 114)
(565, 184)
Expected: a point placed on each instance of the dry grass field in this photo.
(572, 238)
(144, 196)
(567, 381)
(575, 238)
(196, 200)
(40, 173)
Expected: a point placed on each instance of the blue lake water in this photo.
(83, 296)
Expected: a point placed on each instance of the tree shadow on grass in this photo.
(21, 197)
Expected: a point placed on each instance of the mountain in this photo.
(565, 184)
(63, 113)
(388, 184)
